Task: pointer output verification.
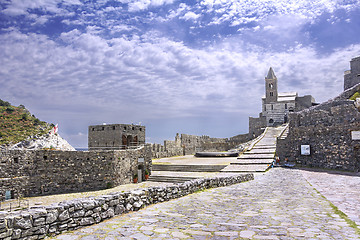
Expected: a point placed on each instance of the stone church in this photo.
(276, 106)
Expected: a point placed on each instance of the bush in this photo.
(4, 103)
(36, 121)
(10, 109)
(24, 117)
(355, 96)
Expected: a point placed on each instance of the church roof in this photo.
(271, 74)
(285, 97)
(288, 96)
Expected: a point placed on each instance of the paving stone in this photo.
(247, 234)
(278, 204)
(179, 235)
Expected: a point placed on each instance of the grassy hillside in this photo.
(17, 124)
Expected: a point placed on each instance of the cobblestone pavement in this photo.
(279, 204)
(342, 189)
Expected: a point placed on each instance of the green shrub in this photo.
(4, 103)
(36, 121)
(24, 117)
(355, 96)
(10, 109)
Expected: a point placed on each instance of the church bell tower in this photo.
(271, 87)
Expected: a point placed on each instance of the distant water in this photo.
(81, 149)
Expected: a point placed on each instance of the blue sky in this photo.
(194, 67)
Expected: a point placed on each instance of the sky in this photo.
(194, 67)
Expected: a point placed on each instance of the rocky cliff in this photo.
(19, 130)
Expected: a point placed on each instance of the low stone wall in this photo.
(39, 222)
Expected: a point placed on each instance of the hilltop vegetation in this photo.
(17, 124)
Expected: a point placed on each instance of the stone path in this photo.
(259, 157)
(279, 204)
(342, 189)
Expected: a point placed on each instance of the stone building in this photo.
(352, 76)
(115, 136)
(276, 106)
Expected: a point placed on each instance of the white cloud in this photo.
(190, 16)
(140, 5)
(239, 12)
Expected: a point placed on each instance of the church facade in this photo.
(276, 106)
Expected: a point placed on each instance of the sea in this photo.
(81, 149)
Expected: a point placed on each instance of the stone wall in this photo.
(51, 172)
(190, 144)
(327, 129)
(352, 76)
(256, 126)
(39, 222)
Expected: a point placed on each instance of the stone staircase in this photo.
(169, 179)
(187, 168)
(169, 172)
(259, 156)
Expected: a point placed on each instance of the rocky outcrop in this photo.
(47, 141)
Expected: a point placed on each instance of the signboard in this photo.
(140, 160)
(305, 149)
(355, 135)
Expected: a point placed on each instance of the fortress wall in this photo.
(327, 129)
(190, 144)
(352, 77)
(53, 172)
(256, 126)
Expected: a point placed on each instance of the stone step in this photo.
(257, 156)
(260, 151)
(187, 168)
(264, 147)
(170, 179)
(246, 168)
(252, 161)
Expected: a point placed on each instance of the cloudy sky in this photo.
(193, 67)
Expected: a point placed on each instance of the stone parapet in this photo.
(39, 222)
